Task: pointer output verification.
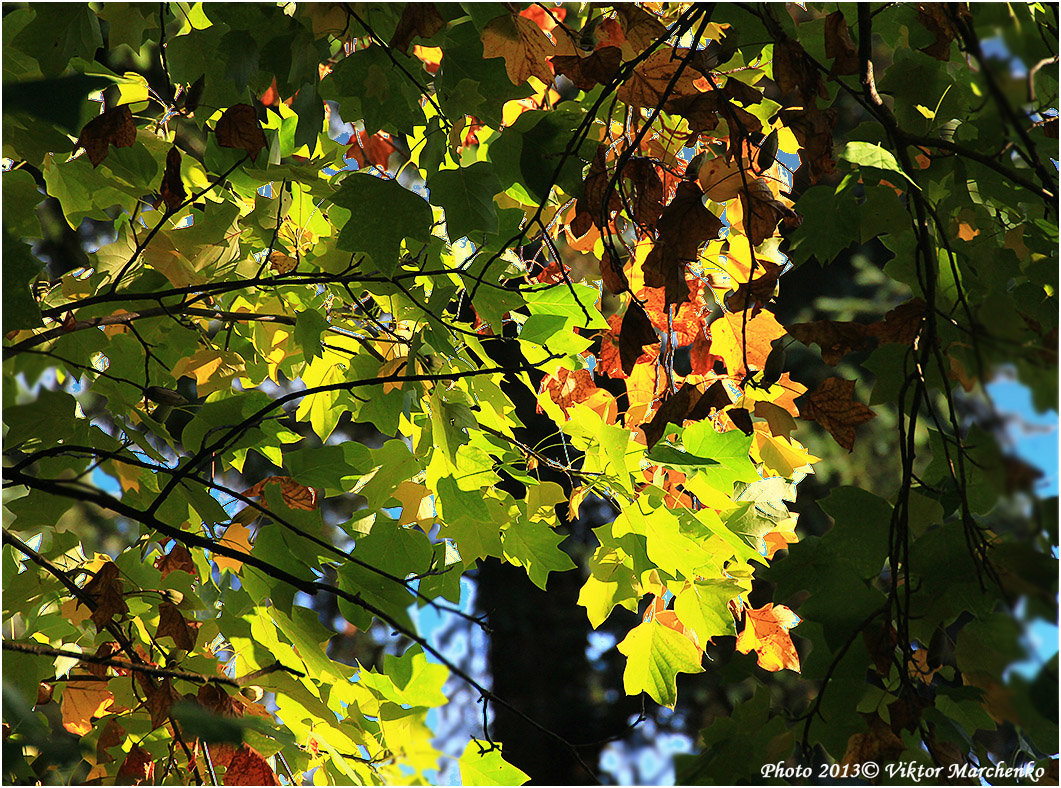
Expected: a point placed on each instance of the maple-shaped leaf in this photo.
(533, 545)
(766, 632)
(138, 767)
(937, 21)
(523, 45)
(178, 559)
(591, 203)
(839, 46)
(417, 20)
(673, 410)
(701, 359)
(833, 406)
(684, 225)
(879, 744)
(111, 736)
(236, 537)
(700, 109)
(635, 334)
(655, 655)
(901, 324)
(375, 149)
(757, 293)
(113, 127)
(640, 28)
(565, 388)
(480, 765)
(646, 86)
(715, 398)
(172, 189)
(248, 767)
(777, 418)
(296, 496)
(762, 211)
(105, 589)
(238, 127)
(587, 71)
(172, 624)
(835, 338)
(794, 71)
(736, 338)
(81, 701)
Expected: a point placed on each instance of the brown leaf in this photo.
(176, 560)
(612, 274)
(905, 713)
(523, 45)
(114, 127)
(936, 20)
(833, 406)
(635, 334)
(758, 292)
(835, 338)
(172, 188)
(641, 28)
(105, 589)
(594, 191)
(793, 70)
(715, 398)
(839, 45)
(160, 697)
(44, 693)
(683, 226)
(673, 410)
(218, 701)
(901, 324)
(105, 650)
(814, 131)
(248, 767)
(647, 200)
(762, 211)
(296, 496)
(138, 767)
(742, 420)
(238, 127)
(647, 85)
(111, 736)
(588, 71)
(417, 19)
(879, 744)
(567, 388)
(700, 109)
(171, 623)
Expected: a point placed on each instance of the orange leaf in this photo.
(237, 537)
(833, 406)
(248, 767)
(522, 44)
(766, 632)
(545, 19)
(567, 387)
(114, 127)
(648, 83)
(879, 744)
(83, 700)
(734, 339)
(296, 496)
(238, 127)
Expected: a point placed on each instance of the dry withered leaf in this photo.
(762, 211)
(879, 744)
(700, 109)
(105, 589)
(673, 410)
(138, 767)
(171, 623)
(742, 419)
(814, 130)
(567, 388)
(648, 84)
(778, 419)
(835, 338)
(839, 46)
(597, 68)
(612, 274)
(113, 127)
(594, 192)
(81, 701)
(523, 45)
(641, 28)
(834, 407)
(683, 226)
(160, 698)
(417, 19)
(647, 199)
(794, 71)
(636, 332)
(172, 189)
(758, 292)
(715, 398)
(701, 358)
(248, 767)
(296, 496)
(936, 20)
(177, 559)
(238, 127)
(901, 324)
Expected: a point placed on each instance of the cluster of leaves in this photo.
(585, 205)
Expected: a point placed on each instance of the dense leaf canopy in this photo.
(311, 310)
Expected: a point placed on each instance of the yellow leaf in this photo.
(418, 506)
(780, 455)
(766, 632)
(213, 370)
(238, 537)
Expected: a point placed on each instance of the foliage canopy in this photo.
(288, 369)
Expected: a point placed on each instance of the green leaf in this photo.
(467, 194)
(20, 269)
(655, 655)
(535, 546)
(384, 214)
(488, 768)
(704, 607)
(866, 154)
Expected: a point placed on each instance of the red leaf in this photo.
(612, 274)
(238, 127)
(376, 149)
(248, 767)
(833, 406)
(114, 127)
